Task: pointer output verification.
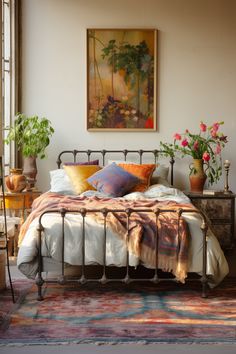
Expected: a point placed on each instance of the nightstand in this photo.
(19, 206)
(220, 209)
(20, 203)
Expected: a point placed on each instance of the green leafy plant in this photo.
(134, 60)
(31, 134)
(205, 145)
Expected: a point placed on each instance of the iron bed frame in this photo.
(83, 279)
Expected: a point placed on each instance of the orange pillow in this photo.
(143, 172)
(78, 175)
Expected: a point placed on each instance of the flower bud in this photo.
(184, 142)
(177, 136)
(206, 156)
(203, 127)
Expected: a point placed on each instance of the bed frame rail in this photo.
(83, 279)
(76, 154)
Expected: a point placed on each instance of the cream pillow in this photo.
(60, 182)
(160, 174)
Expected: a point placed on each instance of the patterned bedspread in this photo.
(172, 230)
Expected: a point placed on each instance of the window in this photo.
(9, 16)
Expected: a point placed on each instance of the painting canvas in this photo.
(121, 69)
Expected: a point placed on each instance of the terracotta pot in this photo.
(16, 181)
(198, 177)
(30, 171)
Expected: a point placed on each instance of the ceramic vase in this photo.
(30, 171)
(197, 177)
(15, 181)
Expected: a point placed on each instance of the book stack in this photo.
(211, 192)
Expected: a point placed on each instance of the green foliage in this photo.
(133, 59)
(31, 134)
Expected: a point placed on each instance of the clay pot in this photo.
(16, 181)
(198, 177)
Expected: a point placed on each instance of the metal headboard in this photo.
(156, 153)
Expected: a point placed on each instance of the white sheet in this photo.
(217, 266)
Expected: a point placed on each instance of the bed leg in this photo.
(204, 228)
(39, 283)
(39, 279)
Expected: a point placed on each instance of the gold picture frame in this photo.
(121, 79)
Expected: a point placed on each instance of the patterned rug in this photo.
(166, 313)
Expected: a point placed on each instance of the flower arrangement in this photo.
(206, 145)
(119, 114)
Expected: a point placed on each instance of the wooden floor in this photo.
(122, 349)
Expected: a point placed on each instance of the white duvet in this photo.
(217, 267)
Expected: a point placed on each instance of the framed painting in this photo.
(121, 79)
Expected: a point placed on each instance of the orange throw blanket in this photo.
(172, 230)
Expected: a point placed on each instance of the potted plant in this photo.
(32, 136)
(205, 149)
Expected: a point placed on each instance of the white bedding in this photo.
(217, 266)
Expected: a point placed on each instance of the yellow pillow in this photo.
(143, 172)
(78, 175)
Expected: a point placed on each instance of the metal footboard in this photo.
(83, 279)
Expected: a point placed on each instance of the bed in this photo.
(121, 221)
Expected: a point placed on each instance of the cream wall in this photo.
(196, 70)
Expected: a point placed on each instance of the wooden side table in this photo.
(220, 209)
(18, 205)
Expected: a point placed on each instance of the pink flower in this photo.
(206, 156)
(215, 126)
(203, 127)
(177, 136)
(184, 142)
(213, 133)
(195, 145)
(218, 149)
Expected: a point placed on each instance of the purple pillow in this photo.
(94, 162)
(113, 181)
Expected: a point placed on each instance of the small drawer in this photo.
(215, 208)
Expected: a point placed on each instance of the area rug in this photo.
(165, 313)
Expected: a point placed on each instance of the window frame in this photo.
(10, 64)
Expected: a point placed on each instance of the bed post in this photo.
(82, 279)
(104, 277)
(204, 228)
(128, 212)
(172, 161)
(155, 278)
(61, 279)
(39, 280)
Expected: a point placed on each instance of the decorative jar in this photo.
(197, 176)
(16, 181)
